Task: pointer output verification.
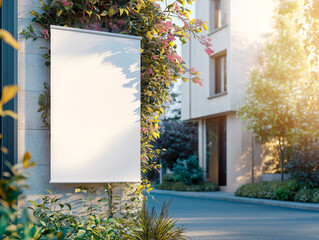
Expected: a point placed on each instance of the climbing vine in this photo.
(160, 64)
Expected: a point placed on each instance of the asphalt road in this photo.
(215, 219)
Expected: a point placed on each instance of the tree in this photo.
(276, 104)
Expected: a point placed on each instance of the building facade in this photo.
(238, 29)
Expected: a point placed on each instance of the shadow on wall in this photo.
(248, 169)
(270, 156)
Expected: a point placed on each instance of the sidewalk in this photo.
(231, 197)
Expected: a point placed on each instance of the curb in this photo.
(230, 197)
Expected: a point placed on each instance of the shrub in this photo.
(204, 187)
(169, 177)
(179, 139)
(304, 195)
(315, 196)
(268, 190)
(303, 165)
(180, 186)
(162, 226)
(166, 186)
(287, 190)
(188, 170)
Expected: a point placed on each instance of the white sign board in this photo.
(95, 106)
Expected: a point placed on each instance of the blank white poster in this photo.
(95, 106)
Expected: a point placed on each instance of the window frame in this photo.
(213, 83)
(218, 22)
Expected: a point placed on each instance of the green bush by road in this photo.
(285, 191)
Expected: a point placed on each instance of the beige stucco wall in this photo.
(249, 22)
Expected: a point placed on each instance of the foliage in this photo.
(258, 190)
(276, 105)
(161, 66)
(100, 217)
(180, 186)
(161, 227)
(287, 190)
(284, 191)
(303, 165)
(44, 103)
(188, 170)
(178, 139)
(173, 182)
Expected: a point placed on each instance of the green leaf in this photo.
(41, 99)
(33, 203)
(104, 13)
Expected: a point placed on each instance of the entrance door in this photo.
(216, 150)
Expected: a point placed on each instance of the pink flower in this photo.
(154, 57)
(199, 22)
(193, 71)
(198, 80)
(143, 129)
(179, 59)
(65, 3)
(209, 51)
(170, 37)
(115, 27)
(97, 27)
(177, 8)
(169, 25)
(149, 71)
(121, 22)
(208, 44)
(45, 33)
(172, 57)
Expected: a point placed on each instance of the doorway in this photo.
(216, 150)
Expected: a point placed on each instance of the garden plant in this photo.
(186, 176)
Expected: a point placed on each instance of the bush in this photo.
(269, 190)
(180, 186)
(287, 190)
(166, 186)
(303, 165)
(204, 187)
(169, 177)
(304, 195)
(315, 196)
(179, 139)
(188, 170)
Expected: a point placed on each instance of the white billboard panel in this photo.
(95, 106)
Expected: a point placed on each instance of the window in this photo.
(218, 74)
(216, 150)
(219, 16)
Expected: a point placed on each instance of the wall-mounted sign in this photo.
(95, 106)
